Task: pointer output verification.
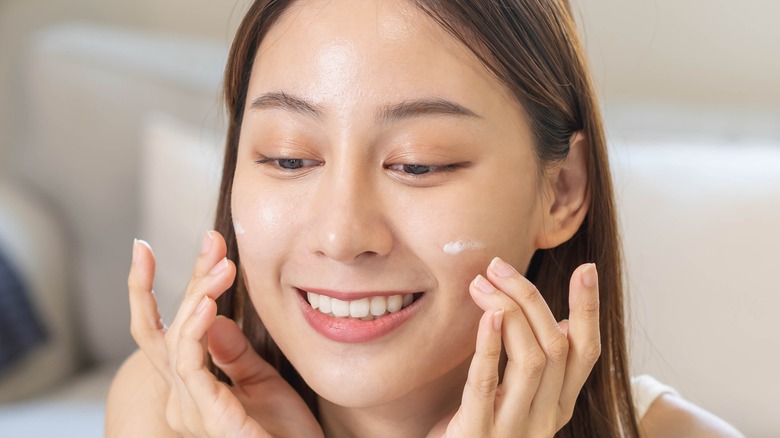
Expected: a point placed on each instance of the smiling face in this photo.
(377, 157)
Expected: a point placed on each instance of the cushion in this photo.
(33, 240)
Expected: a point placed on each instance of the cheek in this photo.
(264, 224)
(458, 236)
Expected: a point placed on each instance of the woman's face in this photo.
(377, 158)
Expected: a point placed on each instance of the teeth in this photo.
(358, 308)
(394, 303)
(378, 305)
(366, 309)
(324, 302)
(314, 299)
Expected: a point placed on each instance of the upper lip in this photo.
(355, 295)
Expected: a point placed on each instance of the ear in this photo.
(565, 195)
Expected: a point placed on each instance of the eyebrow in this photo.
(405, 110)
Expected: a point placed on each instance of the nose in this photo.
(349, 223)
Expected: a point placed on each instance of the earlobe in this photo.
(567, 195)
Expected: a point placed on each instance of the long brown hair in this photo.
(533, 48)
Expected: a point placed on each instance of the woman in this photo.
(390, 167)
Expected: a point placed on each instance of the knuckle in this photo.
(534, 363)
(558, 349)
(591, 353)
(182, 370)
(530, 294)
(590, 308)
(513, 311)
(484, 386)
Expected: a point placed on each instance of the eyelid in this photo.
(435, 168)
(275, 163)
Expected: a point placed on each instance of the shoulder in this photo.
(137, 400)
(672, 416)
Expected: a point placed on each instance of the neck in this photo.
(413, 415)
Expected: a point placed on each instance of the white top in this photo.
(645, 390)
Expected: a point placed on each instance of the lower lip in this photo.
(352, 330)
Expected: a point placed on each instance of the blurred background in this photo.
(111, 127)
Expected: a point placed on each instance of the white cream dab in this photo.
(457, 247)
(237, 226)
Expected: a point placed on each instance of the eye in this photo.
(422, 169)
(288, 163)
(413, 169)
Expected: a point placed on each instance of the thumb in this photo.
(234, 355)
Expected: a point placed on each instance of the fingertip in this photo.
(498, 318)
(589, 275)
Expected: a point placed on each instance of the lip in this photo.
(350, 330)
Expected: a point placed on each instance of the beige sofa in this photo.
(124, 141)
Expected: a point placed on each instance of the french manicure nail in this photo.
(498, 318)
(219, 267)
(502, 268)
(483, 285)
(208, 242)
(135, 250)
(590, 276)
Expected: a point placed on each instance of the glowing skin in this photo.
(353, 219)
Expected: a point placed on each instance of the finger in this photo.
(525, 358)
(584, 333)
(212, 250)
(479, 395)
(214, 284)
(217, 405)
(212, 275)
(549, 335)
(234, 355)
(146, 326)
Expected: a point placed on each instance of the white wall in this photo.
(699, 52)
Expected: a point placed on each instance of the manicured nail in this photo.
(589, 276)
(498, 319)
(203, 303)
(502, 268)
(483, 285)
(136, 250)
(219, 267)
(208, 242)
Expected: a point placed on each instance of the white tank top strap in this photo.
(645, 390)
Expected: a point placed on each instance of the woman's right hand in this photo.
(260, 403)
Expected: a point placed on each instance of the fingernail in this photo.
(208, 242)
(136, 250)
(219, 267)
(498, 319)
(203, 303)
(502, 268)
(483, 285)
(589, 276)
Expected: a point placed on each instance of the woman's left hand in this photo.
(547, 362)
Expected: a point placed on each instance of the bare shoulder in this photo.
(672, 416)
(137, 400)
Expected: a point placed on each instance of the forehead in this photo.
(353, 54)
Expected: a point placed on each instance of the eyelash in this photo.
(279, 161)
(431, 168)
(411, 170)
